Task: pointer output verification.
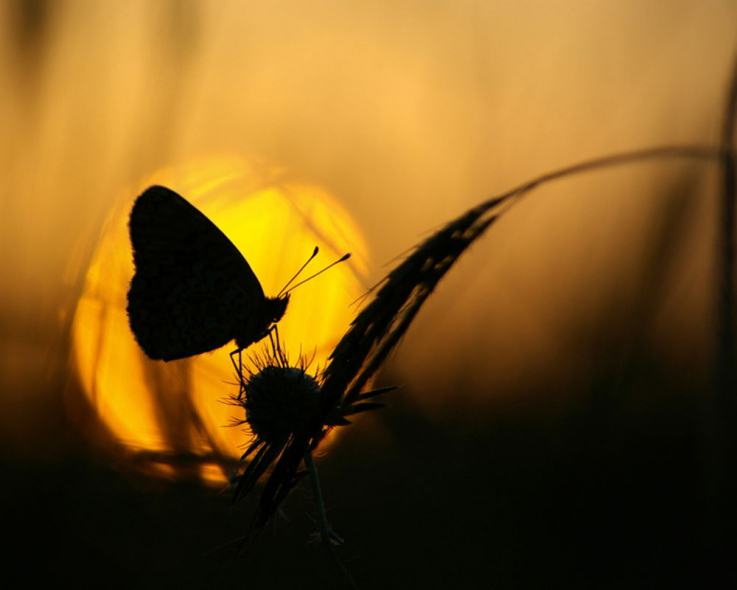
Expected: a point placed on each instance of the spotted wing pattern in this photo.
(192, 291)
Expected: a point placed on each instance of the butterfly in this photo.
(192, 291)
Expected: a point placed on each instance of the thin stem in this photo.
(326, 534)
(721, 411)
(726, 372)
(696, 152)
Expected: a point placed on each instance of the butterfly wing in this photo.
(192, 288)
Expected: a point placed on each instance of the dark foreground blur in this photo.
(606, 497)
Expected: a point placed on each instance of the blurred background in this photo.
(550, 422)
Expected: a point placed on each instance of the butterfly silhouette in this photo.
(192, 291)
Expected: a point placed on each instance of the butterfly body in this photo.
(192, 291)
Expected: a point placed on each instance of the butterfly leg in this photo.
(238, 366)
(276, 348)
(280, 350)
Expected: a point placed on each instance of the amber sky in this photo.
(407, 113)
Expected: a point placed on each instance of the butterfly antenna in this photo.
(343, 259)
(314, 253)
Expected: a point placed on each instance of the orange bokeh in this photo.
(170, 411)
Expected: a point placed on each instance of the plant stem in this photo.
(326, 534)
(721, 525)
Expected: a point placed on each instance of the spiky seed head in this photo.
(279, 401)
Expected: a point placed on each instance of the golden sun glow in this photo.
(172, 416)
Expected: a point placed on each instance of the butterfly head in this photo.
(258, 325)
(275, 307)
